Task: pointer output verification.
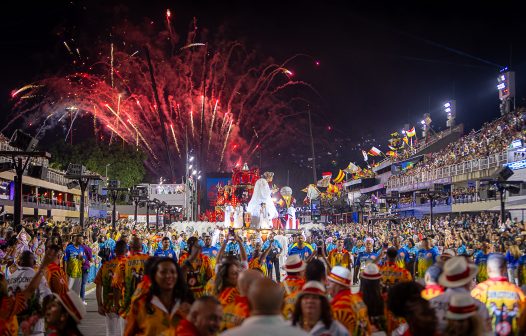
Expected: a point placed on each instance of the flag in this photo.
(325, 180)
(391, 147)
(365, 157)
(411, 133)
(312, 192)
(332, 189)
(339, 178)
(374, 151)
(351, 168)
(391, 154)
(406, 140)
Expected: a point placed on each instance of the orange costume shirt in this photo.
(336, 258)
(128, 275)
(228, 295)
(151, 320)
(235, 313)
(104, 278)
(10, 306)
(431, 291)
(292, 285)
(393, 274)
(197, 273)
(351, 311)
(505, 302)
(57, 279)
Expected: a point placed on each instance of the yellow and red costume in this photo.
(227, 295)
(339, 258)
(128, 275)
(505, 302)
(10, 306)
(197, 273)
(235, 313)
(431, 291)
(351, 311)
(104, 278)
(292, 285)
(256, 264)
(149, 319)
(57, 279)
(393, 274)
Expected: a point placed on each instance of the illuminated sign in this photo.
(517, 165)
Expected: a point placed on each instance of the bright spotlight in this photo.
(191, 159)
(190, 167)
(448, 109)
(447, 104)
(423, 122)
(501, 86)
(194, 172)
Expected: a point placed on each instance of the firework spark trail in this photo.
(175, 139)
(68, 48)
(212, 123)
(192, 122)
(71, 125)
(224, 145)
(119, 119)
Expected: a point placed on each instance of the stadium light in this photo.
(194, 172)
(191, 159)
(450, 109)
(423, 122)
(447, 105)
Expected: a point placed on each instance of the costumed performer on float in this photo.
(287, 209)
(262, 195)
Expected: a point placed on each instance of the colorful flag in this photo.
(411, 133)
(351, 168)
(391, 153)
(365, 157)
(406, 140)
(374, 151)
(339, 178)
(325, 180)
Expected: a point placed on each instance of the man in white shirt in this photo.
(457, 277)
(265, 298)
(20, 279)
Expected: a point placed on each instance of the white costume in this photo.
(238, 217)
(229, 210)
(262, 194)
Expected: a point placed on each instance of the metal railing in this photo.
(492, 161)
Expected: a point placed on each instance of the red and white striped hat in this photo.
(341, 275)
(294, 264)
(461, 306)
(313, 287)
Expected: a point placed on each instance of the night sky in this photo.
(381, 64)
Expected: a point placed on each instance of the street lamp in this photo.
(108, 164)
(76, 172)
(27, 145)
(139, 194)
(114, 190)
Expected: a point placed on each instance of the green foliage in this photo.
(126, 163)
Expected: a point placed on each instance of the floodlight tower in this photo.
(506, 88)
(450, 107)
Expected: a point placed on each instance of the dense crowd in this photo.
(459, 276)
(493, 138)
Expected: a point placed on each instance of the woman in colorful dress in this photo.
(226, 280)
(166, 303)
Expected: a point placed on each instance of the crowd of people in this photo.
(462, 275)
(493, 138)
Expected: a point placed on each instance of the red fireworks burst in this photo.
(210, 95)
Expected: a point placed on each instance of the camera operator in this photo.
(273, 255)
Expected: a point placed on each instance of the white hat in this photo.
(461, 306)
(341, 275)
(313, 287)
(446, 255)
(73, 304)
(371, 272)
(457, 272)
(294, 264)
